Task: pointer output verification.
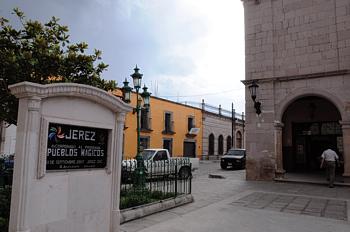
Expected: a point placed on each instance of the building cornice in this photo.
(299, 77)
(30, 90)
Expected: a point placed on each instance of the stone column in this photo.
(346, 149)
(28, 130)
(278, 149)
(116, 167)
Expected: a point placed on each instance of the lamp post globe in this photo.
(253, 88)
(136, 77)
(146, 97)
(126, 89)
(253, 91)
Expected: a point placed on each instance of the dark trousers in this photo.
(330, 171)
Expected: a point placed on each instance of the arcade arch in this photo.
(310, 124)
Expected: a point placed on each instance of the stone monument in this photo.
(68, 157)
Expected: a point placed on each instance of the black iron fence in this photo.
(6, 173)
(164, 179)
(6, 170)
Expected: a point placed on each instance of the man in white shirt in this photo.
(330, 157)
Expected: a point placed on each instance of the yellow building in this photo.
(167, 124)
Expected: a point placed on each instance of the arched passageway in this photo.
(211, 144)
(221, 145)
(239, 139)
(228, 143)
(311, 124)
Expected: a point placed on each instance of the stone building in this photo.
(220, 131)
(298, 53)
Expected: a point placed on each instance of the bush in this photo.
(6, 170)
(5, 203)
(132, 198)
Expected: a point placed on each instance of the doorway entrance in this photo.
(311, 125)
(190, 149)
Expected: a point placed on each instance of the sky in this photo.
(187, 50)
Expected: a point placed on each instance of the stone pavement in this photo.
(233, 204)
(314, 206)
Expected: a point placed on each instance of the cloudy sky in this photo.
(188, 50)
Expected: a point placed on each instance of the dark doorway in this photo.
(221, 145)
(310, 140)
(239, 140)
(211, 144)
(311, 124)
(190, 149)
(228, 143)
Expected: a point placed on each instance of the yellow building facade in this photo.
(167, 124)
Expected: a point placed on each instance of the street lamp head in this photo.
(126, 91)
(136, 77)
(253, 88)
(146, 97)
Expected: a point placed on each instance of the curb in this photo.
(310, 182)
(148, 209)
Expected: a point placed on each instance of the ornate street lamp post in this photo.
(136, 76)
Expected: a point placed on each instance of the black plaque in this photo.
(76, 147)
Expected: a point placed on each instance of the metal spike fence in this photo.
(164, 179)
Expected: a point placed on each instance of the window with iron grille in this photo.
(190, 123)
(145, 119)
(144, 142)
(168, 123)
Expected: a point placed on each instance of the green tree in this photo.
(42, 53)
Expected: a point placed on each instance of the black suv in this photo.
(234, 157)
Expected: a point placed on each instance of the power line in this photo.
(199, 95)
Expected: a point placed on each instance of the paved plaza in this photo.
(314, 206)
(234, 204)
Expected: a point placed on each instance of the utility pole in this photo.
(243, 136)
(233, 127)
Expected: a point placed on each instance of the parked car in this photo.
(234, 157)
(158, 162)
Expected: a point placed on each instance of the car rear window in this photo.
(236, 152)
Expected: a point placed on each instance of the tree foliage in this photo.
(42, 53)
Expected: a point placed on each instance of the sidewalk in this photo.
(233, 204)
(309, 178)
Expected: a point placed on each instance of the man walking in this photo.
(330, 157)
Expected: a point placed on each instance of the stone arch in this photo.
(239, 140)
(228, 142)
(308, 148)
(305, 92)
(221, 145)
(211, 147)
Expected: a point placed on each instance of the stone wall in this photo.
(218, 125)
(294, 48)
(292, 37)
